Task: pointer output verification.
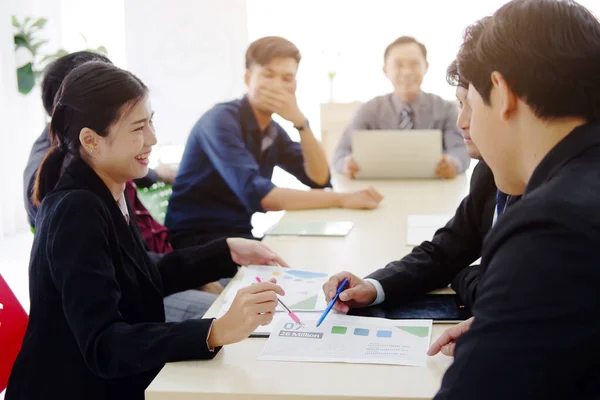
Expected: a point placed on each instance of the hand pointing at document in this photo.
(447, 342)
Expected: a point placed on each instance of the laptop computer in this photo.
(397, 154)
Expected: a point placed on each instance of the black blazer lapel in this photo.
(141, 248)
(131, 247)
(79, 175)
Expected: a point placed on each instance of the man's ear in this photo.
(503, 94)
(247, 77)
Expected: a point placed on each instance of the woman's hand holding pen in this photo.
(252, 307)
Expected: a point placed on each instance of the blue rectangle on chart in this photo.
(361, 332)
(384, 334)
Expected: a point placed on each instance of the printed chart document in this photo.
(349, 339)
(303, 291)
(422, 227)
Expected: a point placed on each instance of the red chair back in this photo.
(13, 322)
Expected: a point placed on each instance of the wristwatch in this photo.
(304, 126)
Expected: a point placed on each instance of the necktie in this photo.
(501, 199)
(406, 121)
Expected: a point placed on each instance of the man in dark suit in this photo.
(449, 255)
(535, 95)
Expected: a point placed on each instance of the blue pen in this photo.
(340, 289)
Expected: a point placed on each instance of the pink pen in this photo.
(293, 316)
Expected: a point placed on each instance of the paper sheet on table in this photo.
(303, 291)
(420, 228)
(310, 228)
(350, 339)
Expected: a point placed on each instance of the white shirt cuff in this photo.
(211, 349)
(380, 293)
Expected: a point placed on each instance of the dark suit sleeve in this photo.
(535, 332)
(195, 266)
(82, 271)
(465, 284)
(434, 264)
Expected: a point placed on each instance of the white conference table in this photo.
(378, 236)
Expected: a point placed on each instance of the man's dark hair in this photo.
(548, 51)
(453, 77)
(56, 72)
(266, 49)
(405, 40)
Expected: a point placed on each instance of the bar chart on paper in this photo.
(303, 291)
(350, 339)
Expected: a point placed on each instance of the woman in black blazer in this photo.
(97, 326)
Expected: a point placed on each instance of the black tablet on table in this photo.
(441, 308)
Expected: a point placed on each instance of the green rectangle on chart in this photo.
(338, 330)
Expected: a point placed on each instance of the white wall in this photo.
(350, 36)
(23, 117)
(102, 23)
(190, 53)
(31, 104)
(8, 109)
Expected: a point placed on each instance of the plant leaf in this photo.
(20, 41)
(40, 23)
(25, 23)
(15, 22)
(25, 78)
(102, 50)
(35, 46)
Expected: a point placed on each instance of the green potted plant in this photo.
(28, 37)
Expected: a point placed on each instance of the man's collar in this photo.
(578, 141)
(248, 117)
(250, 122)
(401, 105)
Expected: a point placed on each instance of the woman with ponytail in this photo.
(51, 167)
(97, 325)
(178, 306)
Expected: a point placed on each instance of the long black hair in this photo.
(92, 96)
